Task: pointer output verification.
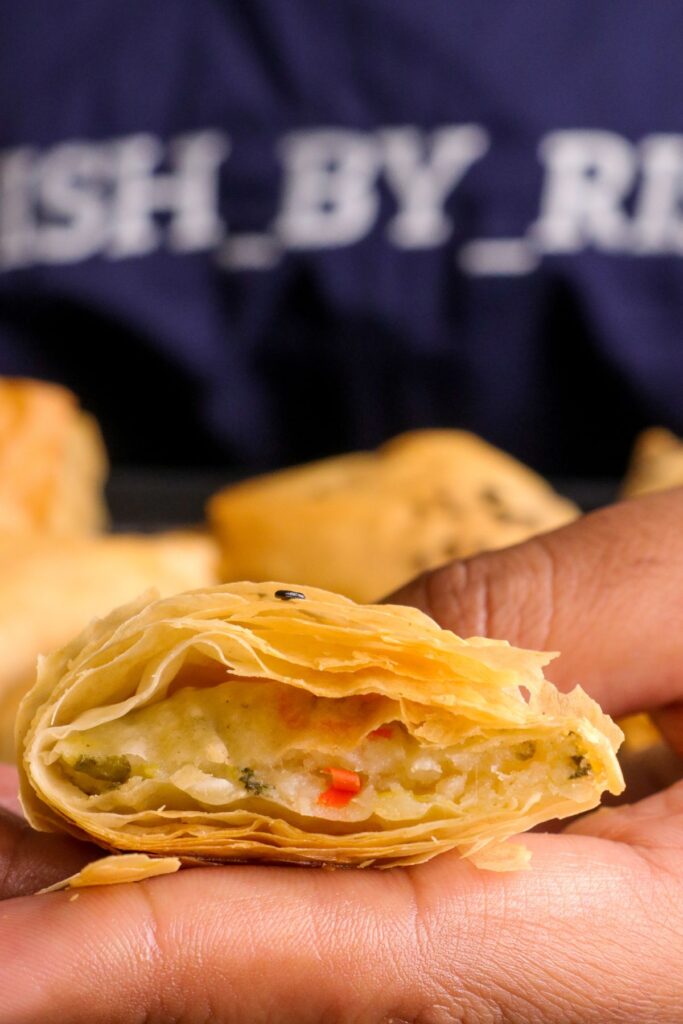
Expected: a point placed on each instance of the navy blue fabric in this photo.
(187, 358)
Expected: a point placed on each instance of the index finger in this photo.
(606, 591)
(439, 942)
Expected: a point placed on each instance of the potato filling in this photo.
(349, 759)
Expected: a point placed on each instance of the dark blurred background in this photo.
(252, 234)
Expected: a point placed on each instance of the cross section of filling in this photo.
(264, 744)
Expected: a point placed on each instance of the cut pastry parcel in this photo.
(273, 723)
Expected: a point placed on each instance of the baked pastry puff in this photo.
(364, 524)
(284, 724)
(656, 463)
(52, 461)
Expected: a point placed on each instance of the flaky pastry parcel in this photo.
(273, 723)
(53, 462)
(656, 463)
(364, 524)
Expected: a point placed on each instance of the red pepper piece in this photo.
(335, 797)
(344, 779)
(384, 732)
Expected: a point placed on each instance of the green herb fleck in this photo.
(525, 751)
(114, 769)
(582, 766)
(251, 783)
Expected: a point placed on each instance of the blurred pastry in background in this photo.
(656, 463)
(53, 462)
(640, 732)
(50, 589)
(365, 523)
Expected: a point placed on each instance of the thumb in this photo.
(30, 860)
(606, 591)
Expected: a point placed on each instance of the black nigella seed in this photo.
(290, 595)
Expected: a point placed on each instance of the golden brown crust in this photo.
(52, 461)
(331, 647)
(365, 523)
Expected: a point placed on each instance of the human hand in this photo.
(592, 934)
